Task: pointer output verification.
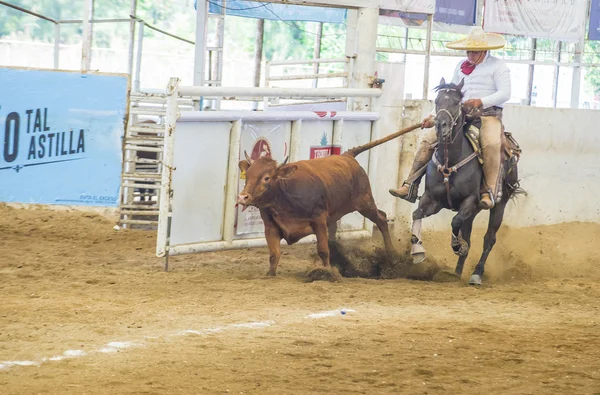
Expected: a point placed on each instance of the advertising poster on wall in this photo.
(61, 137)
(258, 139)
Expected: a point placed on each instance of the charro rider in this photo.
(487, 87)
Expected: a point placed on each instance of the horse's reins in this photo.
(445, 169)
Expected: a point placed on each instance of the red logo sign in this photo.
(322, 152)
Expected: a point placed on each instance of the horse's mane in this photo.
(449, 85)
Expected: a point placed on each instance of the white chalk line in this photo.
(113, 347)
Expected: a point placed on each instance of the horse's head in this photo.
(448, 108)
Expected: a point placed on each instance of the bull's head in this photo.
(261, 175)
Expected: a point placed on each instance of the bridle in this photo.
(446, 141)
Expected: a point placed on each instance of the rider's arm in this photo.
(503, 87)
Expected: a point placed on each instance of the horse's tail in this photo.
(362, 148)
(517, 191)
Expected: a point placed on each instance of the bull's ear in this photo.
(244, 165)
(286, 171)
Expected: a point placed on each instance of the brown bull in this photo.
(309, 197)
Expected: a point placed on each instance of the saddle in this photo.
(511, 150)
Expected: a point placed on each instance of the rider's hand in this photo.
(428, 122)
(473, 103)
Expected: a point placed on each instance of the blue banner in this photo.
(594, 30)
(61, 137)
(277, 12)
(454, 12)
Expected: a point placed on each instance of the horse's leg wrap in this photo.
(491, 145)
(417, 244)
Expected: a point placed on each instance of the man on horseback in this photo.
(487, 86)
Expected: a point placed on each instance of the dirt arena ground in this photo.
(85, 309)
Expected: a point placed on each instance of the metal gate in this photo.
(200, 178)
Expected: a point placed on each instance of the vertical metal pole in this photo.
(351, 25)
(138, 61)
(350, 52)
(220, 53)
(258, 57)
(579, 50)
(267, 83)
(200, 47)
(87, 36)
(164, 199)
(556, 76)
(258, 50)
(232, 182)
(295, 140)
(56, 44)
(317, 52)
(427, 56)
(132, 12)
(530, 74)
(404, 56)
(576, 81)
(364, 67)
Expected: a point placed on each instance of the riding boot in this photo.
(408, 190)
(491, 145)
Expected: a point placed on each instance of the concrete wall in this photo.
(559, 167)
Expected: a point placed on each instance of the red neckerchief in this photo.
(467, 67)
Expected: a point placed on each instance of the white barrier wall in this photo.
(559, 167)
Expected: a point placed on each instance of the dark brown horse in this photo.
(454, 182)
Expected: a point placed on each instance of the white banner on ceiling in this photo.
(558, 19)
(421, 6)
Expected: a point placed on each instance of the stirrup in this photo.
(413, 190)
(491, 195)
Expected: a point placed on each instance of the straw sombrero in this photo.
(478, 40)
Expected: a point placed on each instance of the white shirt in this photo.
(490, 82)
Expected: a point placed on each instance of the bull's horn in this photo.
(247, 157)
(285, 160)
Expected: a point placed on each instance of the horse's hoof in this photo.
(271, 273)
(475, 280)
(418, 258)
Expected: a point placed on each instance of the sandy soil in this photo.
(214, 324)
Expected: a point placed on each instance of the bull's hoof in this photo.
(271, 273)
(418, 257)
(475, 280)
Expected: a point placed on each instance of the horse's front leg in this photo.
(496, 216)
(466, 212)
(427, 207)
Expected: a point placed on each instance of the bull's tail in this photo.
(362, 148)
